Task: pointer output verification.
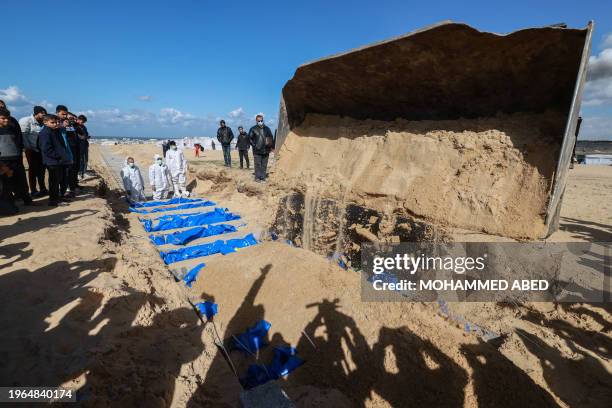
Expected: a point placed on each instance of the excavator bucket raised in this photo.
(472, 103)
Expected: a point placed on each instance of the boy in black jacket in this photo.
(56, 156)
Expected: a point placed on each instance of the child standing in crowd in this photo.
(73, 141)
(11, 145)
(30, 128)
(132, 181)
(61, 112)
(56, 156)
(158, 178)
(83, 135)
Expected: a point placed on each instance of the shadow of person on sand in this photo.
(500, 383)
(578, 382)
(32, 305)
(22, 226)
(58, 329)
(139, 366)
(400, 368)
(588, 230)
(17, 251)
(221, 387)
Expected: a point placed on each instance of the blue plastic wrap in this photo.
(192, 275)
(186, 236)
(217, 247)
(172, 201)
(174, 221)
(178, 207)
(253, 338)
(284, 361)
(208, 309)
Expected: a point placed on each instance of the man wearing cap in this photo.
(30, 128)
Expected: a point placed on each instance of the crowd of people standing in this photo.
(259, 138)
(57, 144)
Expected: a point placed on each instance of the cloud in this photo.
(171, 116)
(600, 66)
(607, 42)
(596, 128)
(12, 96)
(236, 113)
(598, 89)
(145, 98)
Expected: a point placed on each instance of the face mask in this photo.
(173, 147)
(131, 164)
(260, 123)
(160, 162)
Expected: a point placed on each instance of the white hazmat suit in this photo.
(133, 183)
(158, 178)
(177, 166)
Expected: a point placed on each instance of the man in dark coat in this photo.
(243, 144)
(262, 141)
(225, 137)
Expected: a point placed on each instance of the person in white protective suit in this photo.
(132, 181)
(158, 178)
(177, 166)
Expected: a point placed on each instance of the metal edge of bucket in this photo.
(569, 137)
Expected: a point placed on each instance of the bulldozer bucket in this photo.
(451, 71)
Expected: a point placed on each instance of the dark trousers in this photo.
(244, 154)
(227, 156)
(18, 183)
(57, 182)
(84, 158)
(261, 165)
(73, 172)
(36, 170)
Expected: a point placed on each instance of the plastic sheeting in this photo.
(186, 236)
(207, 308)
(196, 251)
(175, 221)
(285, 360)
(178, 207)
(253, 338)
(172, 201)
(192, 275)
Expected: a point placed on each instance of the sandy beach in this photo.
(87, 303)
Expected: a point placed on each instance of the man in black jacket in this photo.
(225, 137)
(262, 141)
(243, 144)
(56, 156)
(11, 147)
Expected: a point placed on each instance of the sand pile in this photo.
(488, 174)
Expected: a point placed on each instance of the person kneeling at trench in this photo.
(132, 181)
(158, 178)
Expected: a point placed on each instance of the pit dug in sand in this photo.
(490, 174)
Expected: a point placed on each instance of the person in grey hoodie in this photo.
(30, 128)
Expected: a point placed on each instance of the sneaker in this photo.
(43, 193)
(34, 193)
